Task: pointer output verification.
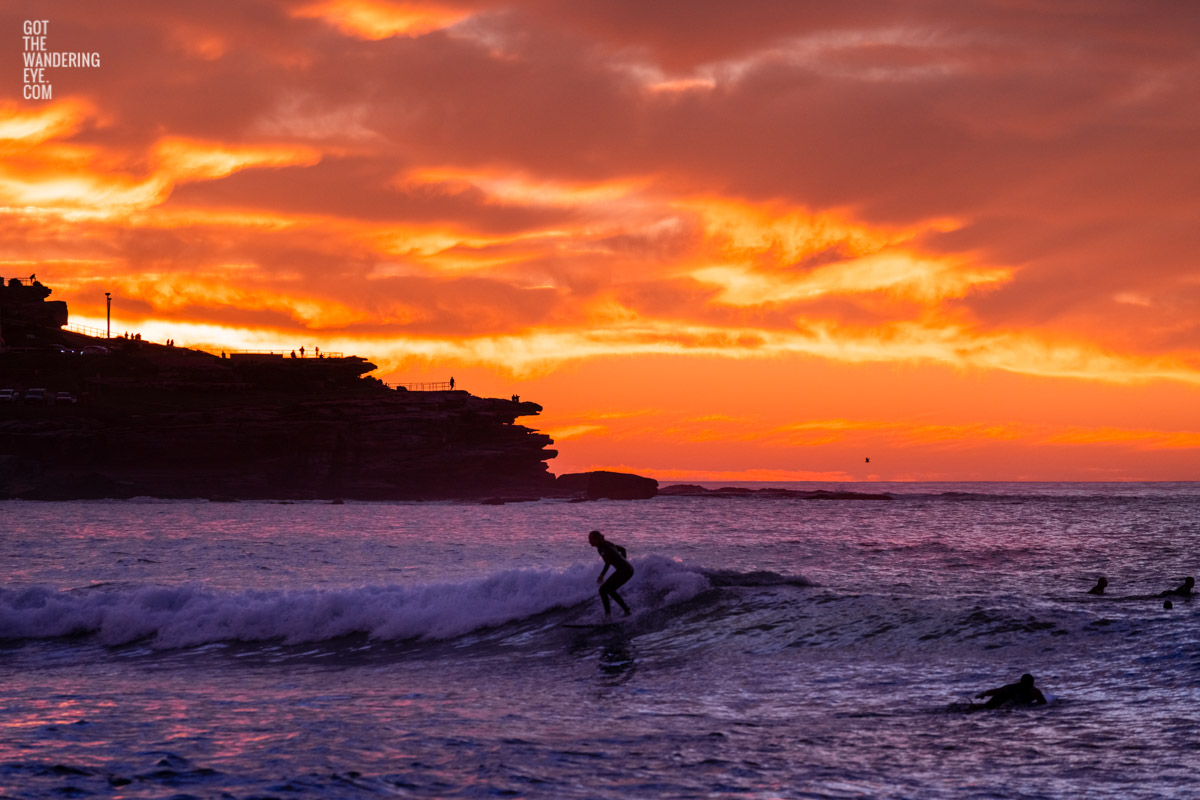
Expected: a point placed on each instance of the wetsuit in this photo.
(1017, 694)
(1185, 590)
(614, 556)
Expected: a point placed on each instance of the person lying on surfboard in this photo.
(1023, 693)
(614, 556)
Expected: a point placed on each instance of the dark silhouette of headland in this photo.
(123, 417)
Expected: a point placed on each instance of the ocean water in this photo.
(779, 648)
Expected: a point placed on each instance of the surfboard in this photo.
(590, 625)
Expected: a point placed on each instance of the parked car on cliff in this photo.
(7, 396)
(35, 397)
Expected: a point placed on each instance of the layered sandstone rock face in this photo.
(170, 422)
(376, 446)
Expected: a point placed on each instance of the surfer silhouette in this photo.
(1022, 693)
(1101, 582)
(614, 556)
(1183, 590)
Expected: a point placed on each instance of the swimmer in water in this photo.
(1183, 590)
(1101, 582)
(614, 556)
(1022, 693)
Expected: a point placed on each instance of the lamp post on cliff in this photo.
(108, 301)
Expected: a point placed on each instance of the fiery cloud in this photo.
(370, 19)
(518, 190)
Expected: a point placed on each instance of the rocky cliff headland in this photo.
(143, 419)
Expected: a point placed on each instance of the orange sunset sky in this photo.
(755, 240)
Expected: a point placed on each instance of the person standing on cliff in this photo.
(452, 383)
(614, 556)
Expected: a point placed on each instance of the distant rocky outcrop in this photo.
(693, 490)
(604, 485)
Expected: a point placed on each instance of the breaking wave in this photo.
(188, 615)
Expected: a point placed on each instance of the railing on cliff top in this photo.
(96, 333)
(436, 386)
(100, 333)
(289, 354)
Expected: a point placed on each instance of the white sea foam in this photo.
(189, 615)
